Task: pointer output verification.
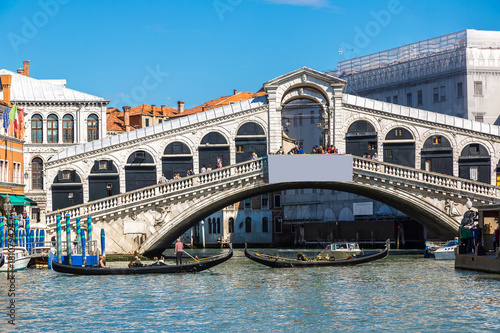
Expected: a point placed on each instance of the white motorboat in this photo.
(447, 251)
(21, 259)
(340, 250)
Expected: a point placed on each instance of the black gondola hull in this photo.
(276, 262)
(191, 267)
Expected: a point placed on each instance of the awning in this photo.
(19, 200)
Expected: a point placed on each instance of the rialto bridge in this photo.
(429, 164)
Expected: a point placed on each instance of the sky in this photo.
(160, 52)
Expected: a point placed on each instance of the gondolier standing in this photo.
(179, 251)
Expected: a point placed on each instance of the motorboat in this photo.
(447, 251)
(340, 250)
(302, 261)
(431, 247)
(21, 259)
(40, 256)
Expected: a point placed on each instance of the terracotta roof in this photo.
(114, 120)
(226, 100)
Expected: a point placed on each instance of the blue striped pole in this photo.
(59, 240)
(16, 230)
(68, 239)
(89, 233)
(1, 232)
(84, 259)
(78, 233)
(42, 238)
(27, 226)
(32, 238)
(103, 244)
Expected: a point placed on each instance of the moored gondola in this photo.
(274, 261)
(190, 267)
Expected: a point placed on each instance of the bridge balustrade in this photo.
(129, 199)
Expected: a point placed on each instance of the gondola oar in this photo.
(197, 260)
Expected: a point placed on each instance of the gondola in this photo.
(274, 261)
(190, 267)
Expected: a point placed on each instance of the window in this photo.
(443, 93)
(109, 189)
(103, 165)
(460, 91)
(37, 174)
(435, 93)
(264, 202)
(218, 225)
(52, 133)
(147, 122)
(16, 173)
(388, 99)
(479, 117)
(395, 99)
(398, 132)
(388, 154)
(420, 99)
(160, 121)
(265, 227)
(92, 128)
(372, 145)
(231, 225)
(428, 165)
(478, 88)
(409, 99)
(277, 201)
(36, 129)
(436, 140)
(240, 148)
(473, 172)
(278, 225)
(209, 225)
(248, 203)
(248, 224)
(66, 175)
(68, 129)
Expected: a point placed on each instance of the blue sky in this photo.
(159, 52)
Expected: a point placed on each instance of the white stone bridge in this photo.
(430, 163)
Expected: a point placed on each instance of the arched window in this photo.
(36, 129)
(218, 225)
(209, 225)
(37, 173)
(248, 224)
(92, 128)
(231, 225)
(265, 225)
(68, 129)
(52, 129)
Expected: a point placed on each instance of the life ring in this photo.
(2, 259)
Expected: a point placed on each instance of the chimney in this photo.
(6, 82)
(126, 118)
(153, 109)
(26, 68)
(163, 111)
(235, 92)
(180, 106)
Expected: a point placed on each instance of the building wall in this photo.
(11, 168)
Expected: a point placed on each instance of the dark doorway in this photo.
(177, 158)
(213, 147)
(67, 190)
(140, 171)
(104, 180)
(361, 139)
(250, 139)
(437, 155)
(399, 147)
(474, 163)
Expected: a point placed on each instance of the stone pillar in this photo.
(338, 122)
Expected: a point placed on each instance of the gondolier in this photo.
(179, 251)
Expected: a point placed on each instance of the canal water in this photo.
(402, 293)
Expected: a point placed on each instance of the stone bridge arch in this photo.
(426, 213)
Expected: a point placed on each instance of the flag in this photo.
(13, 113)
(16, 127)
(5, 118)
(20, 121)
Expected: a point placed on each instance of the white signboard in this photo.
(362, 208)
(308, 168)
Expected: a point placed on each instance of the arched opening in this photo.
(140, 171)
(399, 147)
(36, 129)
(37, 174)
(92, 128)
(52, 129)
(248, 224)
(218, 225)
(250, 138)
(437, 155)
(265, 224)
(67, 190)
(303, 123)
(361, 139)
(213, 151)
(104, 180)
(177, 159)
(230, 225)
(68, 129)
(474, 163)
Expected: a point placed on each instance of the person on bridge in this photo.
(163, 179)
(190, 172)
(179, 251)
